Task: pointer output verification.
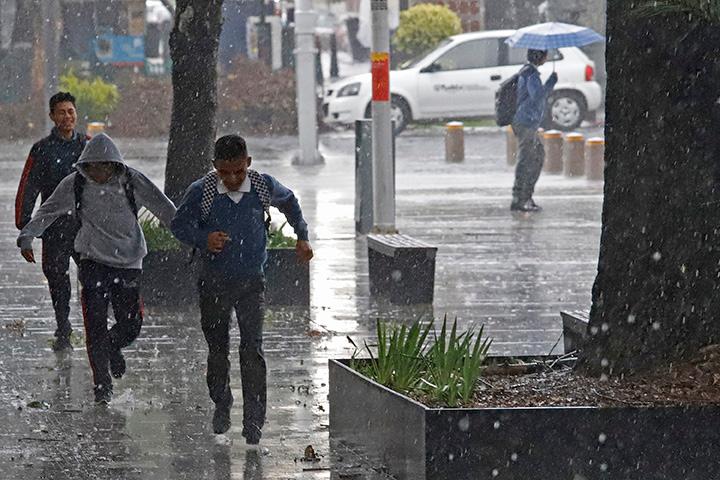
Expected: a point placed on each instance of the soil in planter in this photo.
(694, 383)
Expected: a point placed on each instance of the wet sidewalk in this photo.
(512, 273)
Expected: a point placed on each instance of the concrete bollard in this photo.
(574, 155)
(510, 146)
(553, 142)
(93, 128)
(454, 142)
(595, 158)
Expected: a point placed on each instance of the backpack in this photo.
(79, 185)
(209, 193)
(506, 99)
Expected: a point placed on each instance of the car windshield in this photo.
(416, 60)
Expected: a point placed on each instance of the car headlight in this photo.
(349, 90)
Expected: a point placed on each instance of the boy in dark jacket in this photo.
(50, 160)
(222, 215)
(104, 195)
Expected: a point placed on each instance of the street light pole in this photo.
(305, 75)
(382, 140)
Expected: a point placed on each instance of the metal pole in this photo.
(382, 134)
(264, 40)
(305, 74)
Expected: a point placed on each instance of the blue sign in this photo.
(120, 49)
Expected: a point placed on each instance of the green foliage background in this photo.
(95, 98)
(424, 26)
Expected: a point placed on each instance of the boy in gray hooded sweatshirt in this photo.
(104, 195)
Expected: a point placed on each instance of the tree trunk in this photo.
(655, 298)
(193, 47)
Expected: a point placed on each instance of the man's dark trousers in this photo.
(57, 249)
(530, 159)
(218, 297)
(102, 285)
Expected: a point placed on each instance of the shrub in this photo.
(95, 98)
(146, 107)
(424, 26)
(277, 239)
(253, 99)
(157, 237)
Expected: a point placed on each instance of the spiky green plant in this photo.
(708, 10)
(400, 357)
(455, 364)
(447, 372)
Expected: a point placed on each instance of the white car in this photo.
(459, 78)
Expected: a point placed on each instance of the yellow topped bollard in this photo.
(595, 158)
(93, 128)
(511, 146)
(553, 142)
(454, 142)
(574, 155)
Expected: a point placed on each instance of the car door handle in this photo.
(495, 78)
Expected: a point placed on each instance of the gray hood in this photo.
(100, 148)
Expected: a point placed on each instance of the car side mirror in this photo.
(432, 68)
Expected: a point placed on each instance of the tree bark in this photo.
(655, 297)
(194, 48)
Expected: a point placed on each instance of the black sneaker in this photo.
(117, 363)
(62, 344)
(252, 435)
(103, 394)
(221, 417)
(528, 206)
(532, 202)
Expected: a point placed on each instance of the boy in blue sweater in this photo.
(222, 214)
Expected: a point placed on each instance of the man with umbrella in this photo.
(532, 97)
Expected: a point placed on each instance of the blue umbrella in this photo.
(546, 36)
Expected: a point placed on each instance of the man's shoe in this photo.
(61, 344)
(221, 417)
(252, 435)
(528, 206)
(532, 202)
(117, 363)
(103, 394)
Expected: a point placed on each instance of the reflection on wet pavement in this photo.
(511, 273)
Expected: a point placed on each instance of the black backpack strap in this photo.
(78, 187)
(130, 191)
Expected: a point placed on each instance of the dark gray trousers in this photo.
(217, 300)
(530, 159)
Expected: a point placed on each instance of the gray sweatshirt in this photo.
(110, 233)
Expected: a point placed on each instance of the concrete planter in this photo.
(287, 282)
(170, 278)
(411, 441)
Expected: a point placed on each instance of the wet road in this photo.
(511, 273)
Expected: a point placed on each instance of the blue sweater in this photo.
(531, 97)
(245, 254)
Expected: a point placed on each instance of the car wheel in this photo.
(399, 113)
(566, 110)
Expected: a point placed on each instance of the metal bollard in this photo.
(454, 142)
(553, 151)
(364, 176)
(93, 128)
(574, 155)
(510, 146)
(595, 158)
